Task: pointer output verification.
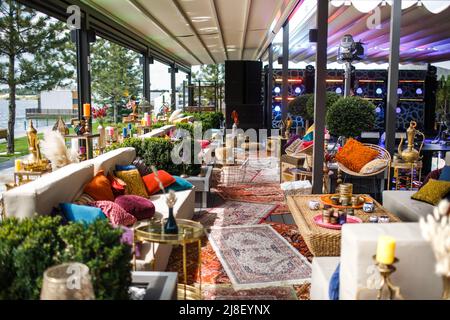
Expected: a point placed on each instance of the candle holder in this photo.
(386, 285)
(87, 127)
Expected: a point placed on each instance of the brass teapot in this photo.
(410, 154)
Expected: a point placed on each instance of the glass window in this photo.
(160, 87)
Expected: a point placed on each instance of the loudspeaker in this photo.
(308, 79)
(234, 82)
(431, 85)
(312, 35)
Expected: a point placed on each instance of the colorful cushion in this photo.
(204, 143)
(99, 188)
(85, 214)
(333, 289)
(153, 185)
(115, 213)
(118, 186)
(125, 168)
(445, 174)
(141, 208)
(180, 184)
(433, 192)
(84, 200)
(432, 175)
(354, 155)
(374, 166)
(134, 182)
(142, 167)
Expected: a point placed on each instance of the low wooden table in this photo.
(323, 242)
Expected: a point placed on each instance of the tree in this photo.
(35, 52)
(116, 75)
(210, 73)
(443, 95)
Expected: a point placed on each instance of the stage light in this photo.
(277, 90)
(379, 91)
(359, 91)
(419, 91)
(398, 110)
(277, 109)
(399, 91)
(339, 90)
(298, 90)
(377, 109)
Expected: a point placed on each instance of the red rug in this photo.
(226, 292)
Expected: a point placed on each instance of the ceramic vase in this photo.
(102, 137)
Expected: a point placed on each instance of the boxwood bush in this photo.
(209, 120)
(297, 107)
(331, 97)
(29, 246)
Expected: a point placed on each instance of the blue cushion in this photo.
(333, 289)
(125, 168)
(85, 214)
(180, 184)
(445, 174)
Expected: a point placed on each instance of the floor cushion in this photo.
(78, 213)
(115, 213)
(152, 184)
(99, 188)
(141, 208)
(134, 182)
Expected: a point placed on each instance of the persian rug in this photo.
(226, 292)
(257, 256)
(235, 213)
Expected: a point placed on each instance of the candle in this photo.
(124, 132)
(385, 250)
(18, 165)
(87, 110)
(129, 126)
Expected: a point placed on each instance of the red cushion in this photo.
(141, 208)
(99, 188)
(118, 186)
(204, 143)
(115, 213)
(153, 186)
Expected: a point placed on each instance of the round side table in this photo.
(398, 165)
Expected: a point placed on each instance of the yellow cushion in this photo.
(432, 192)
(134, 182)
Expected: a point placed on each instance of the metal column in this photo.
(285, 89)
(269, 89)
(83, 69)
(146, 70)
(394, 59)
(320, 95)
(173, 100)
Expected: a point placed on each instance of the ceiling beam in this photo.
(219, 26)
(244, 32)
(141, 8)
(194, 30)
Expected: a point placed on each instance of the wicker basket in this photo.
(382, 154)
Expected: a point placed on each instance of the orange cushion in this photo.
(354, 155)
(153, 186)
(99, 188)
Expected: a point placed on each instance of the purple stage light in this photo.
(379, 91)
(277, 90)
(398, 110)
(338, 90)
(419, 91)
(298, 90)
(399, 91)
(359, 91)
(377, 109)
(277, 108)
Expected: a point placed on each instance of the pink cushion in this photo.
(115, 213)
(141, 208)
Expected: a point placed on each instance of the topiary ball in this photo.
(350, 116)
(332, 97)
(297, 107)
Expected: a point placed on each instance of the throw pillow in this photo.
(118, 186)
(180, 184)
(125, 168)
(85, 214)
(142, 167)
(134, 182)
(115, 213)
(374, 166)
(84, 200)
(204, 143)
(139, 207)
(333, 289)
(432, 192)
(445, 174)
(432, 175)
(354, 155)
(99, 188)
(153, 185)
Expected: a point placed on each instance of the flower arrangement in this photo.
(100, 114)
(436, 230)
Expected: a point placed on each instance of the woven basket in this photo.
(382, 154)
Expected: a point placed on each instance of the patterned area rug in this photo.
(257, 256)
(235, 213)
(226, 292)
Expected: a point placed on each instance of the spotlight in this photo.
(398, 110)
(277, 90)
(377, 109)
(298, 90)
(399, 91)
(359, 91)
(339, 90)
(379, 91)
(419, 91)
(277, 109)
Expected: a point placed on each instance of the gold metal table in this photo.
(399, 165)
(188, 232)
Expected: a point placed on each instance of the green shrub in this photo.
(350, 116)
(28, 247)
(186, 126)
(159, 124)
(332, 97)
(297, 107)
(209, 120)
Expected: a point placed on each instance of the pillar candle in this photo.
(129, 126)
(385, 250)
(87, 110)
(124, 132)
(18, 165)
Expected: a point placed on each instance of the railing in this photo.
(62, 112)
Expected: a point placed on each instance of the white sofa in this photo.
(66, 184)
(415, 270)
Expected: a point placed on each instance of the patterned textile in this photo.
(257, 256)
(226, 292)
(115, 213)
(84, 200)
(235, 213)
(141, 208)
(134, 182)
(142, 167)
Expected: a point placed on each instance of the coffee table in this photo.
(324, 242)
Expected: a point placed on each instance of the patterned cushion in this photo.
(354, 155)
(134, 182)
(115, 213)
(153, 186)
(84, 200)
(433, 192)
(139, 207)
(118, 186)
(99, 188)
(374, 166)
(142, 167)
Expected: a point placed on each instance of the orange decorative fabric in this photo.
(153, 186)
(99, 188)
(354, 155)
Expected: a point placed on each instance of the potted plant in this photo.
(297, 107)
(331, 97)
